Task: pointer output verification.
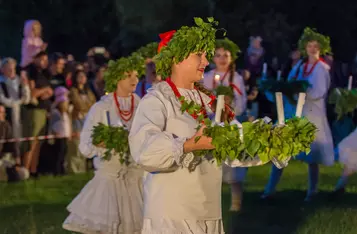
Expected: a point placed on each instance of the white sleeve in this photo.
(26, 95)
(320, 84)
(151, 146)
(86, 147)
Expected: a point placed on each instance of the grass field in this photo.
(38, 206)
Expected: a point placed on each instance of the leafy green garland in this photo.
(117, 70)
(149, 50)
(187, 40)
(345, 101)
(229, 45)
(259, 138)
(288, 88)
(115, 139)
(311, 35)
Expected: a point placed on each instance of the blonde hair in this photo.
(6, 61)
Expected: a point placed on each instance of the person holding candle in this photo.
(316, 71)
(182, 191)
(225, 73)
(112, 201)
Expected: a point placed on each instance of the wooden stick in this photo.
(219, 108)
(300, 104)
(280, 108)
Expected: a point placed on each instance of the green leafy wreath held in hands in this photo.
(259, 139)
(345, 101)
(115, 138)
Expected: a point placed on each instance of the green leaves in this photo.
(260, 139)
(229, 45)
(224, 90)
(345, 101)
(148, 51)
(117, 70)
(187, 40)
(115, 140)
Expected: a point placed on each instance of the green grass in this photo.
(39, 206)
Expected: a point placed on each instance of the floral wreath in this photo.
(117, 70)
(175, 46)
(229, 45)
(312, 35)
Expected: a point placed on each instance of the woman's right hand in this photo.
(204, 142)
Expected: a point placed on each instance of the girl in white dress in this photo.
(316, 71)
(225, 74)
(112, 201)
(182, 193)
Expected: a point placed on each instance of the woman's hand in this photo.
(204, 142)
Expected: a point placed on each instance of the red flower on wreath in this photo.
(165, 39)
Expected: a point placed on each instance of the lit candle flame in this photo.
(217, 78)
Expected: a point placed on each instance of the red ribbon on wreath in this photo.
(165, 39)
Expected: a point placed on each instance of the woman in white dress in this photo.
(112, 201)
(316, 71)
(225, 74)
(182, 192)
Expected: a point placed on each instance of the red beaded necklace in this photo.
(124, 115)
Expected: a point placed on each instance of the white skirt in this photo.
(108, 204)
(167, 226)
(347, 150)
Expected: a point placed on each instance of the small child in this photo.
(32, 42)
(60, 125)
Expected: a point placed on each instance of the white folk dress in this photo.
(176, 201)
(230, 175)
(322, 151)
(112, 202)
(347, 150)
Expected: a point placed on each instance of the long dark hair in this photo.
(75, 82)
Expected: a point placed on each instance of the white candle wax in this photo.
(217, 78)
(279, 75)
(265, 68)
(105, 118)
(350, 79)
(300, 104)
(219, 108)
(280, 107)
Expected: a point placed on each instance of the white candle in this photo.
(219, 108)
(265, 68)
(279, 75)
(217, 78)
(280, 108)
(350, 79)
(300, 104)
(104, 117)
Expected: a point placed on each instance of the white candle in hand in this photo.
(216, 78)
(219, 108)
(280, 108)
(350, 79)
(104, 117)
(279, 75)
(300, 104)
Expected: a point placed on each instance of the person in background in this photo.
(14, 93)
(11, 169)
(32, 43)
(252, 94)
(56, 70)
(38, 109)
(60, 125)
(254, 56)
(97, 84)
(295, 56)
(82, 99)
(150, 79)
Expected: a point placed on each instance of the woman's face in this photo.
(9, 70)
(36, 29)
(128, 85)
(194, 66)
(295, 55)
(222, 58)
(100, 74)
(81, 78)
(313, 49)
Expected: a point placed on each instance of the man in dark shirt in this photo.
(56, 68)
(39, 108)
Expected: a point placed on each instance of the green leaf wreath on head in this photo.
(311, 35)
(149, 50)
(117, 70)
(175, 46)
(229, 45)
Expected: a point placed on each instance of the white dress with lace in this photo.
(176, 201)
(112, 202)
